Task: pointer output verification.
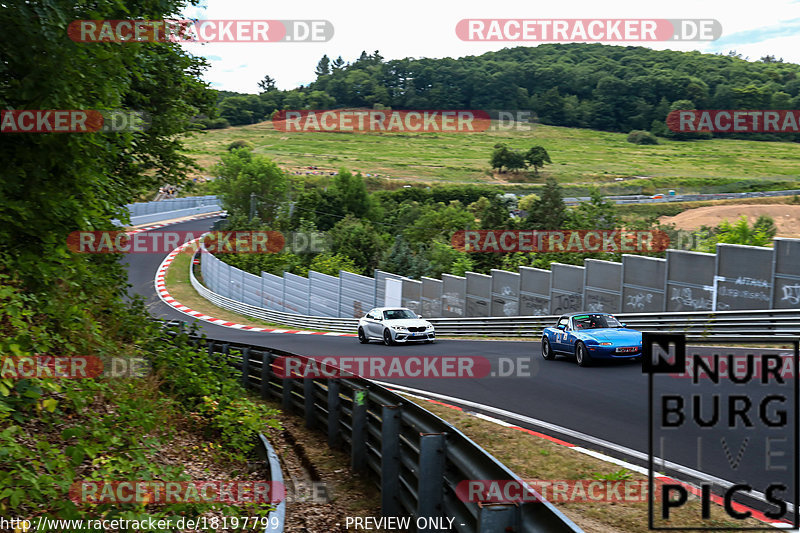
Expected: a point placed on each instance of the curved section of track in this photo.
(604, 403)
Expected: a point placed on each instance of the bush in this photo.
(218, 124)
(240, 144)
(642, 137)
(210, 123)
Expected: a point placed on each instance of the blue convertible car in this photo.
(590, 336)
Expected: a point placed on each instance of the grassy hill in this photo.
(580, 157)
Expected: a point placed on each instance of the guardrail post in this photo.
(211, 347)
(308, 402)
(358, 450)
(390, 460)
(431, 468)
(225, 350)
(334, 412)
(246, 367)
(286, 399)
(264, 375)
(493, 517)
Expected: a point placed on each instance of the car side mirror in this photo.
(561, 326)
(624, 325)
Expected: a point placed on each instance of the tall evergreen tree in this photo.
(549, 212)
(323, 67)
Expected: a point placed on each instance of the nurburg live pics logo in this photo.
(740, 424)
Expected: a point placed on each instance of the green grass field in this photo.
(580, 157)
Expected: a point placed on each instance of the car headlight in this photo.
(399, 328)
(605, 343)
(428, 325)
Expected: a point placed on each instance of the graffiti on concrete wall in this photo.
(687, 298)
(638, 301)
(567, 303)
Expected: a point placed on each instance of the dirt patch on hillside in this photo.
(787, 217)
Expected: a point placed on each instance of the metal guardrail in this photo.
(645, 199)
(413, 457)
(156, 211)
(774, 321)
(277, 517)
(168, 215)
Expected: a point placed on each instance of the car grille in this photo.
(627, 349)
(416, 328)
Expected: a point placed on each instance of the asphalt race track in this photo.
(608, 401)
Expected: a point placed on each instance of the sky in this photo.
(426, 28)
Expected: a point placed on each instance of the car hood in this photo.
(407, 322)
(615, 335)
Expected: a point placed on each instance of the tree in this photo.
(53, 184)
(503, 156)
(323, 67)
(597, 213)
(358, 240)
(496, 215)
(338, 63)
(442, 258)
(351, 193)
(401, 260)
(527, 201)
(331, 264)
(242, 174)
(760, 234)
(240, 110)
(684, 135)
(438, 221)
(548, 212)
(536, 157)
(267, 84)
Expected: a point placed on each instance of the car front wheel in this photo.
(387, 338)
(547, 350)
(362, 338)
(582, 355)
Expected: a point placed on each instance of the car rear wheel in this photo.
(362, 338)
(547, 350)
(582, 355)
(387, 338)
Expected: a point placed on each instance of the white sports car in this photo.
(394, 325)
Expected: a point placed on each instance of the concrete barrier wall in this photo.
(735, 278)
(602, 285)
(690, 281)
(744, 277)
(479, 294)
(454, 295)
(643, 283)
(786, 276)
(566, 290)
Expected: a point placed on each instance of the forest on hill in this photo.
(602, 87)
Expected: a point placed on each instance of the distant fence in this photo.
(147, 212)
(722, 195)
(415, 459)
(735, 278)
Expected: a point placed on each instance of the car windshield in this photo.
(398, 314)
(595, 322)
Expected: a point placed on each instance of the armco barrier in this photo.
(276, 517)
(148, 212)
(169, 215)
(415, 458)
